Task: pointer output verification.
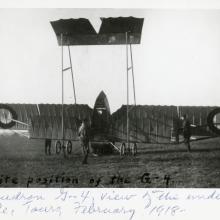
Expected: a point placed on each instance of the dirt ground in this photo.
(24, 164)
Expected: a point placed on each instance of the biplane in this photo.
(129, 125)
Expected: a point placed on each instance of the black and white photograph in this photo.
(109, 98)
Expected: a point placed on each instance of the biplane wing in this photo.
(148, 124)
(112, 31)
(44, 120)
(48, 124)
(160, 124)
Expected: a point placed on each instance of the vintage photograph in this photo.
(113, 98)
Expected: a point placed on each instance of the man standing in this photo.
(84, 140)
(186, 131)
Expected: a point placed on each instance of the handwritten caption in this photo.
(146, 179)
(91, 203)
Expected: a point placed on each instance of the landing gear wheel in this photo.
(13, 115)
(134, 149)
(69, 147)
(58, 147)
(210, 121)
(122, 149)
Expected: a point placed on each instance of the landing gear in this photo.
(58, 147)
(122, 149)
(128, 150)
(67, 148)
(134, 149)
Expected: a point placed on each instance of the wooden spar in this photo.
(20, 122)
(71, 68)
(134, 93)
(62, 116)
(127, 69)
(132, 69)
(116, 148)
(38, 109)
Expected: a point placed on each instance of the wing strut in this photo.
(62, 116)
(74, 91)
(130, 68)
(71, 68)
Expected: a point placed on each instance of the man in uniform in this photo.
(186, 131)
(84, 139)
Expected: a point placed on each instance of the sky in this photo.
(177, 62)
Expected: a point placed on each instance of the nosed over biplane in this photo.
(130, 125)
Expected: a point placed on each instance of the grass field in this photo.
(23, 163)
